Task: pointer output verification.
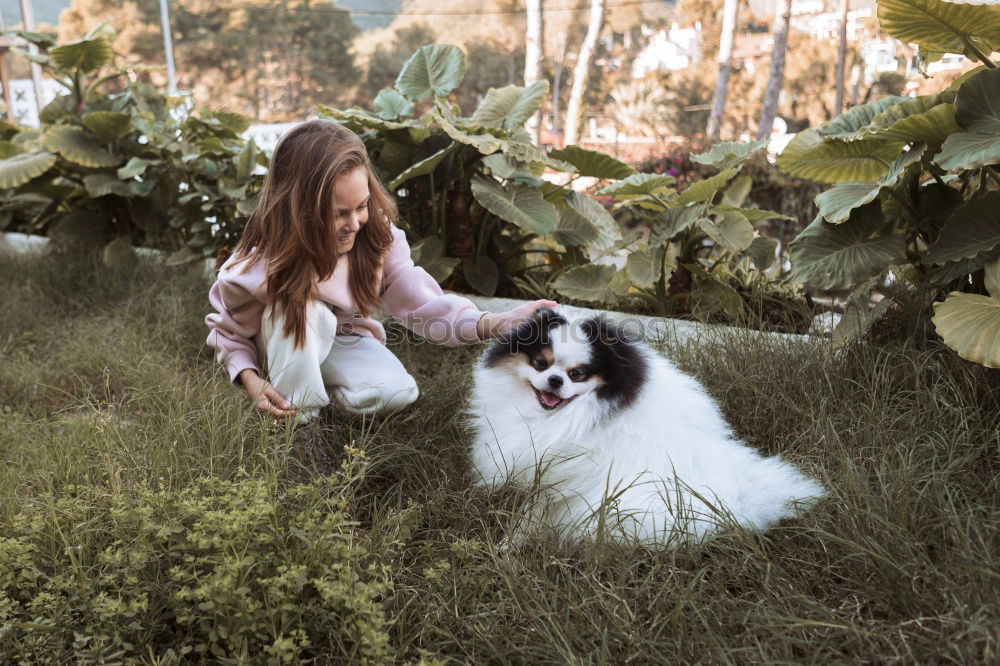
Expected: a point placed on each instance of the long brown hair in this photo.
(294, 227)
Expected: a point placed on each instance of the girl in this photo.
(318, 256)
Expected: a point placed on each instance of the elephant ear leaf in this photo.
(978, 114)
(20, 168)
(433, 71)
(970, 323)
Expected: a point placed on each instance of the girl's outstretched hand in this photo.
(495, 324)
(265, 397)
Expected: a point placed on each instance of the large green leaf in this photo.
(645, 266)
(482, 274)
(9, 149)
(730, 230)
(433, 71)
(728, 154)
(593, 163)
(20, 168)
(596, 283)
(521, 205)
(928, 119)
(808, 155)
(836, 256)
(87, 55)
(638, 184)
(970, 324)
(737, 192)
(229, 121)
(836, 204)
(511, 106)
(428, 253)
(247, 161)
(847, 124)
(505, 166)
(762, 252)
(62, 107)
(136, 166)
(107, 125)
(974, 227)
(574, 229)
(423, 167)
(585, 206)
(365, 119)
(103, 184)
(675, 220)
(978, 113)
(940, 26)
(705, 189)
(485, 143)
(76, 146)
(390, 105)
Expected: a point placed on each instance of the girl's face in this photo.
(351, 194)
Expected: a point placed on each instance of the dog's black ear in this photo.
(533, 332)
(599, 330)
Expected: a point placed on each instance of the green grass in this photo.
(134, 483)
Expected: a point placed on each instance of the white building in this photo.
(668, 50)
(22, 93)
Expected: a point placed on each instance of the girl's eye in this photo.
(575, 375)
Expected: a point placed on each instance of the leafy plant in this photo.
(469, 187)
(701, 241)
(117, 163)
(915, 183)
(473, 200)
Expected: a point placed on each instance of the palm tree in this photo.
(783, 15)
(582, 70)
(725, 68)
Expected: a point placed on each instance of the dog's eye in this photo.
(576, 375)
(541, 364)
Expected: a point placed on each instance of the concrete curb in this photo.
(648, 326)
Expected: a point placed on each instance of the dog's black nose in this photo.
(555, 381)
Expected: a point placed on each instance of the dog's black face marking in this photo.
(531, 338)
(617, 360)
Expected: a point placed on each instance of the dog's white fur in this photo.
(663, 469)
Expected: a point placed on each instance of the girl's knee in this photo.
(371, 399)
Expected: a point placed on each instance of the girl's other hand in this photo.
(265, 397)
(495, 324)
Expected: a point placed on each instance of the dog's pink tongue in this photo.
(550, 399)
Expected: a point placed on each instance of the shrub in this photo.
(916, 187)
(227, 570)
(116, 163)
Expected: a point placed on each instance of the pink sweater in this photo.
(408, 293)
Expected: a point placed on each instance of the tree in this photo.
(726, 39)
(272, 60)
(582, 70)
(534, 47)
(838, 104)
(782, 17)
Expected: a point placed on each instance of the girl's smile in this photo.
(350, 192)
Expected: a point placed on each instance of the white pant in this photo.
(363, 375)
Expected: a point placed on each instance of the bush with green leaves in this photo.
(480, 215)
(220, 570)
(116, 163)
(916, 186)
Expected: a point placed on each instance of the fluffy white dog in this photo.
(616, 440)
